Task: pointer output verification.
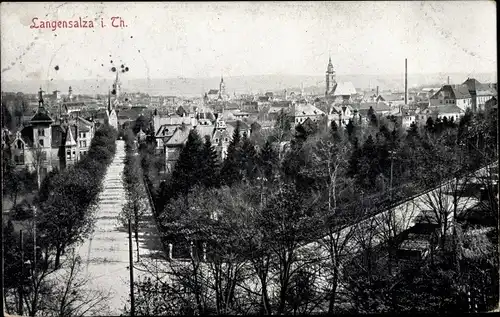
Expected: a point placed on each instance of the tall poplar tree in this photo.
(231, 169)
(210, 165)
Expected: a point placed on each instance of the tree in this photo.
(287, 222)
(283, 122)
(355, 159)
(67, 201)
(330, 165)
(336, 134)
(371, 112)
(141, 123)
(17, 182)
(134, 210)
(448, 200)
(231, 169)
(350, 129)
(248, 157)
(11, 256)
(268, 161)
(368, 164)
(66, 215)
(213, 223)
(68, 294)
(210, 165)
(306, 129)
(136, 206)
(7, 120)
(38, 156)
(429, 125)
(188, 169)
(413, 131)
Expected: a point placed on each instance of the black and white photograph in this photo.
(249, 158)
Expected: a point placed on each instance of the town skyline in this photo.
(280, 38)
(191, 87)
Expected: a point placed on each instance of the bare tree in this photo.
(134, 209)
(68, 293)
(329, 165)
(38, 157)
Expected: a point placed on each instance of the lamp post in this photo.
(34, 237)
(390, 182)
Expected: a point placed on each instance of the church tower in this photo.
(222, 87)
(111, 116)
(117, 87)
(42, 136)
(330, 77)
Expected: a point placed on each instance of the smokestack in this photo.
(406, 81)
(377, 91)
(448, 80)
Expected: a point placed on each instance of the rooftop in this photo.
(179, 137)
(307, 110)
(344, 89)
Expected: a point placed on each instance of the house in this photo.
(369, 96)
(480, 93)
(172, 120)
(450, 111)
(240, 114)
(174, 146)
(262, 125)
(251, 106)
(73, 107)
(300, 112)
(205, 131)
(270, 95)
(86, 131)
(274, 112)
(341, 114)
(183, 112)
(381, 108)
(212, 95)
(221, 138)
(244, 127)
(452, 95)
(422, 113)
(163, 134)
(46, 145)
(408, 117)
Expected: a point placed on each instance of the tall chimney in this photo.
(448, 80)
(406, 81)
(377, 91)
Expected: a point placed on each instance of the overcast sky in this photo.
(249, 38)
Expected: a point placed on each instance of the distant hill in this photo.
(191, 87)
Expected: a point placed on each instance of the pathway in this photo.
(105, 255)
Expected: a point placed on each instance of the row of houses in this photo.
(171, 132)
(217, 120)
(47, 143)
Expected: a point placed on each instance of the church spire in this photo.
(109, 100)
(329, 68)
(40, 98)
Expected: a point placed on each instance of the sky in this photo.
(203, 39)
